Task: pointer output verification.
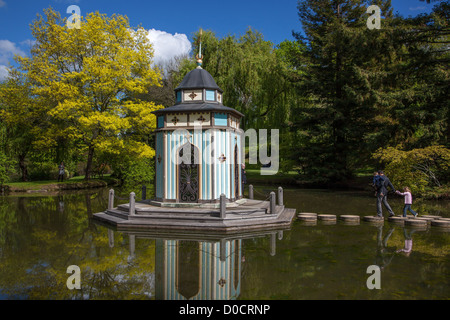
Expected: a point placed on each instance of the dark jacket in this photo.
(384, 186)
(244, 176)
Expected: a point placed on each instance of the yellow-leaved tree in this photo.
(84, 74)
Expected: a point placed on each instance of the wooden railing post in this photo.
(250, 192)
(111, 199)
(272, 202)
(132, 204)
(223, 206)
(280, 196)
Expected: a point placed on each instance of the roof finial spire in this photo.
(199, 55)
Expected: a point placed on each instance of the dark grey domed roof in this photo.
(198, 79)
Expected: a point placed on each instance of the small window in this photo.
(160, 122)
(220, 119)
(178, 96)
(210, 95)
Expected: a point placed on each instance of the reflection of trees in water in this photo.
(436, 277)
(39, 241)
(105, 272)
(330, 262)
(258, 257)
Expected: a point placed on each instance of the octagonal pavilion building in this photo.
(198, 144)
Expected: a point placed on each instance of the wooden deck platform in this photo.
(245, 215)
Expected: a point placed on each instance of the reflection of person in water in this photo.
(61, 203)
(384, 256)
(408, 241)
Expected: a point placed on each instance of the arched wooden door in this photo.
(188, 173)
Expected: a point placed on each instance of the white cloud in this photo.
(167, 46)
(2, 3)
(7, 51)
(3, 72)
(28, 43)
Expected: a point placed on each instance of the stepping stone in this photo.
(430, 216)
(444, 219)
(328, 222)
(349, 218)
(306, 214)
(326, 217)
(416, 222)
(397, 219)
(428, 220)
(307, 218)
(373, 219)
(441, 223)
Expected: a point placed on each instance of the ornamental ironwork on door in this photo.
(188, 173)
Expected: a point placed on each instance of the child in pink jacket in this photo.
(408, 201)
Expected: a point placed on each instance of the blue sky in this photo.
(274, 19)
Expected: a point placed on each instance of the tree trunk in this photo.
(88, 171)
(23, 167)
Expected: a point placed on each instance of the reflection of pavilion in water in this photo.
(195, 268)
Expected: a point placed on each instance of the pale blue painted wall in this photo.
(224, 143)
(159, 165)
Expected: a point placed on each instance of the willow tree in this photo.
(255, 77)
(83, 74)
(251, 74)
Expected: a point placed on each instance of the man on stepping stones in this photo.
(382, 192)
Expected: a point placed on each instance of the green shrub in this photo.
(5, 165)
(419, 169)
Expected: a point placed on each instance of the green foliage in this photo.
(338, 93)
(130, 169)
(365, 89)
(5, 165)
(137, 171)
(250, 72)
(82, 74)
(418, 169)
(341, 82)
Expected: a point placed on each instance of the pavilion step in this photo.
(183, 215)
(151, 210)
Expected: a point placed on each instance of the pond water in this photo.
(42, 235)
